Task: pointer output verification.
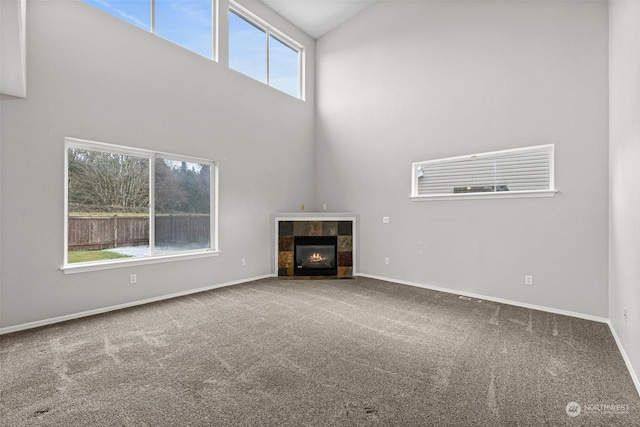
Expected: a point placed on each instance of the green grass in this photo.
(88, 256)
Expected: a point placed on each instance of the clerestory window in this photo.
(520, 172)
(260, 51)
(124, 204)
(187, 23)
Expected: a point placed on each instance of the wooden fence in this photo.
(94, 233)
(181, 229)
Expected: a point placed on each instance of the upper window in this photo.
(188, 23)
(263, 53)
(126, 203)
(521, 172)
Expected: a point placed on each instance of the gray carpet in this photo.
(317, 353)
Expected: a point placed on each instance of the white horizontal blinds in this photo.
(525, 169)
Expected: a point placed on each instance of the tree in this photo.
(108, 180)
(182, 187)
(169, 193)
(120, 182)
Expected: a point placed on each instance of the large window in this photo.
(124, 203)
(521, 172)
(263, 53)
(188, 23)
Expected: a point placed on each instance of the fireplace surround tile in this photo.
(329, 228)
(345, 244)
(345, 259)
(285, 259)
(300, 228)
(345, 228)
(288, 229)
(285, 228)
(315, 228)
(285, 243)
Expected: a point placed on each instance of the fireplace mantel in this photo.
(286, 226)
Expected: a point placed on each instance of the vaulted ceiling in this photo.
(318, 17)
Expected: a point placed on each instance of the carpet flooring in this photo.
(359, 352)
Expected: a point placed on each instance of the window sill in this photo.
(496, 195)
(134, 262)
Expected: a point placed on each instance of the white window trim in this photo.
(270, 30)
(128, 262)
(496, 195)
(150, 259)
(489, 195)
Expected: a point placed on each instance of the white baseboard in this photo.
(627, 361)
(45, 322)
(493, 299)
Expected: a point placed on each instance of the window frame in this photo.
(150, 155)
(271, 31)
(549, 192)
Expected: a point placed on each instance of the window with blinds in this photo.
(521, 172)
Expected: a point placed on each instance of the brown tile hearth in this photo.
(345, 272)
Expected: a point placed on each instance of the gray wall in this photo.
(402, 82)
(624, 267)
(95, 77)
(412, 81)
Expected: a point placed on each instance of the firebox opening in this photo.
(316, 256)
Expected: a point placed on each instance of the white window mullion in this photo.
(153, 16)
(214, 29)
(268, 34)
(301, 73)
(152, 205)
(213, 237)
(66, 203)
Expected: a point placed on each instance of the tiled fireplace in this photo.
(312, 246)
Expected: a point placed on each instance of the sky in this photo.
(189, 23)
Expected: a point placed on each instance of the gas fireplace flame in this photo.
(316, 257)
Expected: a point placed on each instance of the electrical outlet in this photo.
(386, 260)
(133, 279)
(528, 280)
(385, 220)
(624, 314)
(243, 262)
(324, 207)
